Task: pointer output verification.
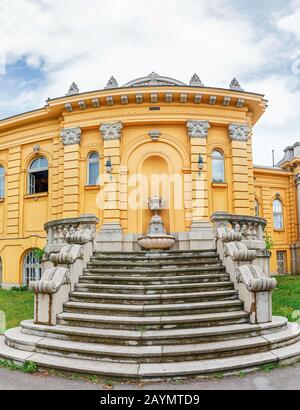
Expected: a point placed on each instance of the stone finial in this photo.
(239, 132)
(235, 85)
(112, 83)
(111, 131)
(195, 81)
(71, 136)
(74, 89)
(198, 129)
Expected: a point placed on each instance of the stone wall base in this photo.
(111, 239)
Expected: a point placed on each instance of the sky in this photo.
(45, 45)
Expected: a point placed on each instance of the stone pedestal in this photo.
(202, 236)
(110, 238)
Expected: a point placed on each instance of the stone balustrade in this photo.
(70, 231)
(241, 245)
(69, 248)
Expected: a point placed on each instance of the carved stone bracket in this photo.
(239, 252)
(254, 279)
(71, 136)
(111, 131)
(51, 282)
(239, 132)
(68, 255)
(198, 129)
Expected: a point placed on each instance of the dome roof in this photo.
(153, 79)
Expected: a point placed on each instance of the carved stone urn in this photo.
(157, 238)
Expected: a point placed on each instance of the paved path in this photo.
(280, 379)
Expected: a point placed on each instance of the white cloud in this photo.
(87, 42)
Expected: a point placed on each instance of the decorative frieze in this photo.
(198, 129)
(111, 131)
(239, 132)
(71, 136)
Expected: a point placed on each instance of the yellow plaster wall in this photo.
(269, 183)
(22, 216)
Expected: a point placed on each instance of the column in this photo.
(13, 227)
(239, 135)
(71, 186)
(201, 235)
(111, 235)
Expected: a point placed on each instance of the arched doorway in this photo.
(155, 169)
(32, 269)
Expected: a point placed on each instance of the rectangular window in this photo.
(2, 183)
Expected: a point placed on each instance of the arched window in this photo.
(278, 214)
(2, 182)
(38, 176)
(218, 167)
(93, 169)
(32, 269)
(257, 209)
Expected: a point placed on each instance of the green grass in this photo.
(286, 298)
(17, 306)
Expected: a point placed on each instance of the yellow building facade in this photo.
(106, 152)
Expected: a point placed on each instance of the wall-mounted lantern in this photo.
(200, 164)
(108, 166)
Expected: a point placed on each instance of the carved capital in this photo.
(239, 132)
(198, 129)
(111, 131)
(71, 136)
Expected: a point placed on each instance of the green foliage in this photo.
(269, 242)
(38, 254)
(27, 367)
(286, 298)
(19, 289)
(17, 306)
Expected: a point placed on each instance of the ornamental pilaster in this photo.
(198, 129)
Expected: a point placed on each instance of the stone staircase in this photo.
(153, 315)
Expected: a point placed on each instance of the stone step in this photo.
(126, 371)
(153, 310)
(154, 264)
(152, 323)
(209, 332)
(156, 272)
(142, 280)
(154, 289)
(154, 353)
(169, 298)
(157, 255)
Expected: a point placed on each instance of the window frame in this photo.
(90, 162)
(32, 268)
(213, 161)
(277, 214)
(2, 182)
(31, 187)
